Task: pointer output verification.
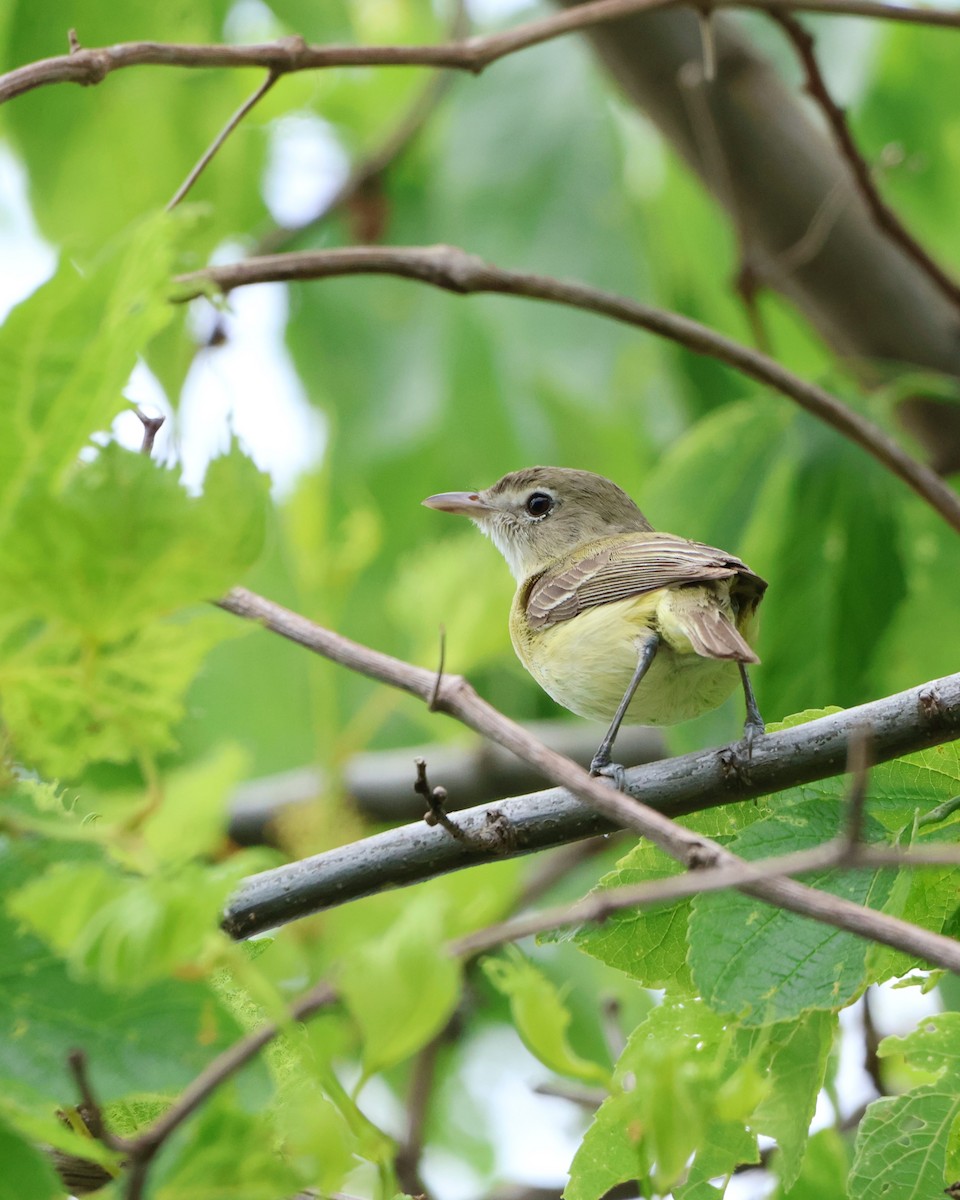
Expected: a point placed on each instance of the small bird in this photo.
(614, 620)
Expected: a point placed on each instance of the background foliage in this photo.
(132, 709)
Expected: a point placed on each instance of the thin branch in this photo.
(142, 1149)
(288, 55)
(881, 212)
(454, 270)
(92, 1109)
(245, 107)
(930, 704)
(151, 427)
(597, 907)
(410, 1151)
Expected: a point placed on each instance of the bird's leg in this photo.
(754, 723)
(601, 764)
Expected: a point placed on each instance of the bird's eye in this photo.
(539, 504)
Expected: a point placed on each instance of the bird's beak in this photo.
(466, 504)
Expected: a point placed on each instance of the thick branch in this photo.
(899, 724)
(454, 270)
(288, 55)
(936, 707)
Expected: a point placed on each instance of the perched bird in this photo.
(613, 620)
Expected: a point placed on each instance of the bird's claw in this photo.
(751, 731)
(614, 772)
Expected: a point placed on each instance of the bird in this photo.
(616, 621)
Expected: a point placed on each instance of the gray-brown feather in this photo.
(629, 566)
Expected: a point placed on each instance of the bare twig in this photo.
(92, 1110)
(288, 55)
(407, 1162)
(436, 798)
(459, 700)
(454, 270)
(881, 212)
(245, 107)
(151, 427)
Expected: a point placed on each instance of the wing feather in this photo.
(630, 565)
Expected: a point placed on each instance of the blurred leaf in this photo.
(402, 988)
(159, 1035)
(124, 931)
(540, 1015)
(679, 1091)
(97, 670)
(225, 1152)
(67, 352)
(192, 817)
(26, 1174)
(132, 542)
(824, 1170)
(316, 1138)
(906, 1145)
(100, 156)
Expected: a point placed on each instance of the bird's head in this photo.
(542, 514)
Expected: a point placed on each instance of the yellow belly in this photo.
(586, 663)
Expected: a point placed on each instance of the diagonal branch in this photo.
(937, 707)
(881, 212)
(221, 137)
(454, 270)
(287, 55)
(595, 908)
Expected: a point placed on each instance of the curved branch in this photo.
(881, 212)
(934, 709)
(454, 270)
(287, 55)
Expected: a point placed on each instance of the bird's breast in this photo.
(587, 662)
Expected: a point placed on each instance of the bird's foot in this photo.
(753, 728)
(615, 772)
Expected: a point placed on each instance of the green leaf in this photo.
(26, 1174)
(764, 963)
(540, 1015)
(226, 1152)
(680, 1090)
(97, 670)
(162, 119)
(906, 1145)
(316, 1138)
(649, 944)
(798, 1055)
(157, 1036)
(402, 987)
(132, 542)
(824, 1170)
(192, 816)
(126, 931)
(67, 352)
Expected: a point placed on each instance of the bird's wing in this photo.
(629, 566)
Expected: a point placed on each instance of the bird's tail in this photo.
(714, 635)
